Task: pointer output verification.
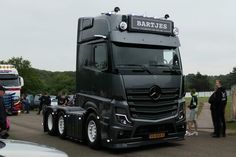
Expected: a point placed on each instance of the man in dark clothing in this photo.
(45, 100)
(213, 111)
(219, 101)
(3, 115)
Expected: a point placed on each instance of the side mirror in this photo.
(21, 81)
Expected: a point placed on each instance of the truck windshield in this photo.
(10, 82)
(148, 56)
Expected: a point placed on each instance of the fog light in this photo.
(121, 133)
(123, 26)
(122, 119)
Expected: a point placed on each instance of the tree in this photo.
(231, 79)
(198, 81)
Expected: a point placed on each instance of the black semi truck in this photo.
(129, 84)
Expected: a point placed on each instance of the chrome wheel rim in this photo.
(61, 125)
(92, 131)
(50, 122)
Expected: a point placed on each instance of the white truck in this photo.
(10, 79)
(12, 82)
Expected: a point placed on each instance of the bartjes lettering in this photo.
(152, 25)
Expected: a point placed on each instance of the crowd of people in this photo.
(45, 100)
(218, 101)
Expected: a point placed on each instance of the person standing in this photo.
(25, 103)
(62, 99)
(211, 101)
(45, 100)
(220, 101)
(193, 115)
(3, 115)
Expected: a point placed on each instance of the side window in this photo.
(100, 57)
(85, 55)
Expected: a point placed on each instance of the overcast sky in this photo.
(44, 31)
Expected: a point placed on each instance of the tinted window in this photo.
(100, 57)
(145, 55)
(10, 82)
(85, 55)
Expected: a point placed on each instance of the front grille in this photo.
(142, 106)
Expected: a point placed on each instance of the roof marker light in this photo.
(176, 31)
(167, 16)
(116, 9)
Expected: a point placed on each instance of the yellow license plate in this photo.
(157, 135)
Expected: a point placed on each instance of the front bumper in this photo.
(138, 134)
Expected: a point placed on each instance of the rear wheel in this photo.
(61, 125)
(51, 125)
(93, 131)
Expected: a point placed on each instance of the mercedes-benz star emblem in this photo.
(155, 92)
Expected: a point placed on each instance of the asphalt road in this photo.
(29, 127)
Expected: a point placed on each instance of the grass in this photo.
(231, 125)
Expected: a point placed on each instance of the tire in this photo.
(61, 127)
(93, 131)
(50, 123)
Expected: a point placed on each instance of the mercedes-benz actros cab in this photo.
(129, 84)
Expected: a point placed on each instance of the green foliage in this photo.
(55, 82)
(198, 81)
(207, 83)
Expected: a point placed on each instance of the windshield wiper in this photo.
(143, 67)
(171, 69)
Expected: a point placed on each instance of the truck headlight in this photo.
(122, 118)
(182, 111)
(181, 115)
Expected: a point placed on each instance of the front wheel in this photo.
(93, 131)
